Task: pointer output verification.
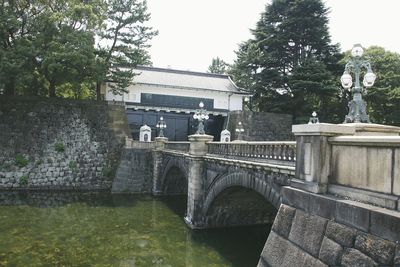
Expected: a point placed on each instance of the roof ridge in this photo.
(197, 73)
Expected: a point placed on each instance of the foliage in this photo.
(123, 43)
(383, 98)
(290, 65)
(59, 147)
(73, 165)
(39, 162)
(21, 161)
(23, 180)
(108, 172)
(48, 47)
(218, 66)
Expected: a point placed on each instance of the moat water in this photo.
(100, 229)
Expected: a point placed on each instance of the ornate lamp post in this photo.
(357, 111)
(201, 115)
(249, 101)
(239, 130)
(161, 125)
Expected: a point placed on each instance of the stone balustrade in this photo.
(178, 146)
(357, 161)
(366, 163)
(280, 151)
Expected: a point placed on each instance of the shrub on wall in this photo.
(73, 165)
(23, 180)
(59, 147)
(20, 160)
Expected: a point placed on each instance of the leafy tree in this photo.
(48, 46)
(218, 66)
(383, 98)
(16, 47)
(290, 60)
(66, 42)
(123, 43)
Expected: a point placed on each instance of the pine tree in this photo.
(218, 66)
(123, 43)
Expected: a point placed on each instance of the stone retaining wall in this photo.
(324, 231)
(59, 144)
(261, 126)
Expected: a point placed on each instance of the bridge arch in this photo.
(241, 198)
(174, 177)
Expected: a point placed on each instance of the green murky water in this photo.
(106, 230)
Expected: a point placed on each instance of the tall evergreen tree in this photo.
(295, 63)
(123, 43)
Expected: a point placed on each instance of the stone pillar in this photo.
(313, 154)
(157, 163)
(196, 190)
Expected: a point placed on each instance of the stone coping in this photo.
(373, 129)
(240, 142)
(326, 129)
(366, 196)
(366, 140)
(201, 137)
(256, 165)
(370, 219)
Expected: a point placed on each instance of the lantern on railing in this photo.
(225, 136)
(145, 134)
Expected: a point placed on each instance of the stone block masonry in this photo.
(262, 126)
(59, 144)
(135, 172)
(305, 236)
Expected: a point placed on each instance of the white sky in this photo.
(192, 32)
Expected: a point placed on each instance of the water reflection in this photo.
(86, 229)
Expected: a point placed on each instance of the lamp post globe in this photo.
(346, 80)
(369, 79)
(357, 51)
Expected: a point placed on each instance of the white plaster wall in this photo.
(221, 99)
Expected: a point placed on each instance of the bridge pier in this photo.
(157, 165)
(196, 190)
(314, 155)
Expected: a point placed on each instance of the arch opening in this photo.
(239, 206)
(175, 182)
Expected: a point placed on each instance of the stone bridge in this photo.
(333, 195)
(227, 184)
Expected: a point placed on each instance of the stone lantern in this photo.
(225, 136)
(145, 134)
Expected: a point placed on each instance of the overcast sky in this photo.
(192, 32)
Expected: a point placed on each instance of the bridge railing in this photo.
(129, 143)
(178, 146)
(271, 150)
